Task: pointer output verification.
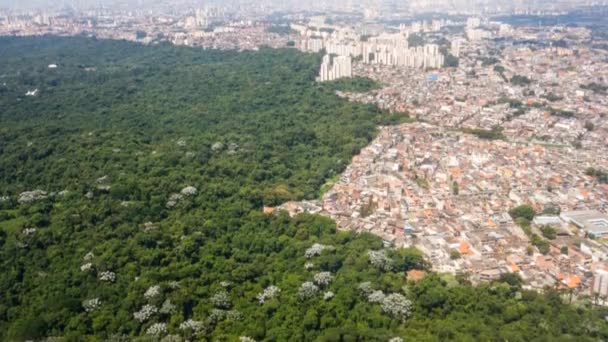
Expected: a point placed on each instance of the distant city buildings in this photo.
(456, 46)
(473, 23)
(335, 68)
(600, 286)
(594, 223)
(383, 49)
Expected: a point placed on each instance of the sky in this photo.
(30, 4)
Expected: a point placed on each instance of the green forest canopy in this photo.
(155, 162)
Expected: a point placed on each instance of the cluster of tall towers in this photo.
(381, 50)
(335, 68)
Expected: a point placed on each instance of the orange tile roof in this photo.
(556, 179)
(268, 210)
(573, 281)
(454, 172)
(415, 274)
(464, 248)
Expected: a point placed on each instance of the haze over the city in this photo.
(438, 5)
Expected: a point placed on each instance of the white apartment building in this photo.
(335, 68)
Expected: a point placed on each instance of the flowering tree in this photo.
(366, 289)
(397, 306)
(91, 304)
(307, 290)
(221, 300)
(192, 327)
(380, 260)
(269, 293)
(376, 297)
(167, 307)
(316, 250)
(107, 276)
(323, 278)
(152, 292)
(88, 267)
(145, 313)
(189, 191)
(157, 329)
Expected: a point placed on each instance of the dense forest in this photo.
(132, 181)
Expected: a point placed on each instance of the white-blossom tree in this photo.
(396, 339)
(167, 307)
(89, 256)
(307, 290)
(217, 146)
(171, 338)
(189, 191)
(221, 300)
(323, 278)
(316, 249)
(328, 295)
(108, 276)
(88, 267)
(246, 339)
(152, 292)
(145, 313)
(28, 231)
(397, 306)
(173, 200)
(91, 304)
(376, 297)
(380, 260)
(157, 329)
(218, 315)
(192, 327)
(269, 293)
(365, 288)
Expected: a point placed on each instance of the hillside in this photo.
(132, 181)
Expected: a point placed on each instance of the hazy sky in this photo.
(62, 3)
(28, 4)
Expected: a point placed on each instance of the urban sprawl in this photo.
(504, 120)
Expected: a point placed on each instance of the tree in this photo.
(415, 40)
(308, 290)
(523, 211)
(548, 232)
(380, 260)
(397, 306)
(451, 61)
(542, 245)
(140, 34)
(520, 80)
(512, 279)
